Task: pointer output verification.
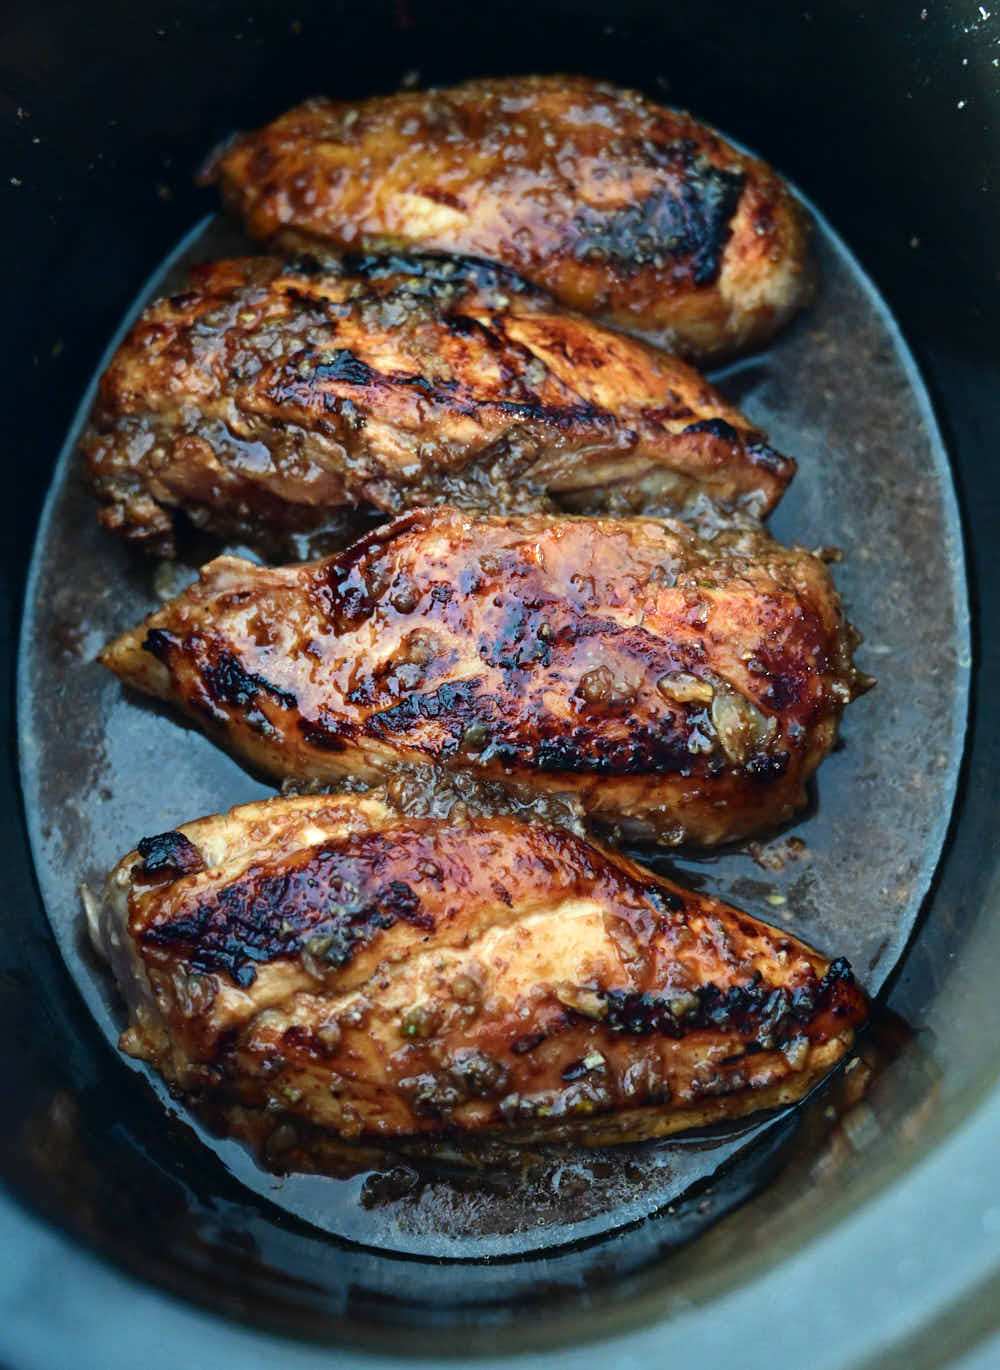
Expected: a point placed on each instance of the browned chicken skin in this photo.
(681, 687)
(329, 967)
(622, 209)
(267, 397)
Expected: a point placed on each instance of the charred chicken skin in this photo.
(633, 213)
(327, 967)
(683, 688)
(268, 396)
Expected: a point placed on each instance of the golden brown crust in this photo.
(680, 687)
(622, 209)
(266, 396)
(323, 959)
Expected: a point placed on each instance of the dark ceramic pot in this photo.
(123, 1244)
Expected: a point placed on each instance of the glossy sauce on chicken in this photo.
(677, 687)
(327, 962)
(622, 209)
(269, 396)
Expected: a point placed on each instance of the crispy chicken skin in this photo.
(620, 208)
(680, 687)
(268, 395)
(324, 962)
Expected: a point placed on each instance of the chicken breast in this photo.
(267, 397)
(679, 687)
(638, 215)
(332, 968)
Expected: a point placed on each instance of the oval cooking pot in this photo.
(123, 1245)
